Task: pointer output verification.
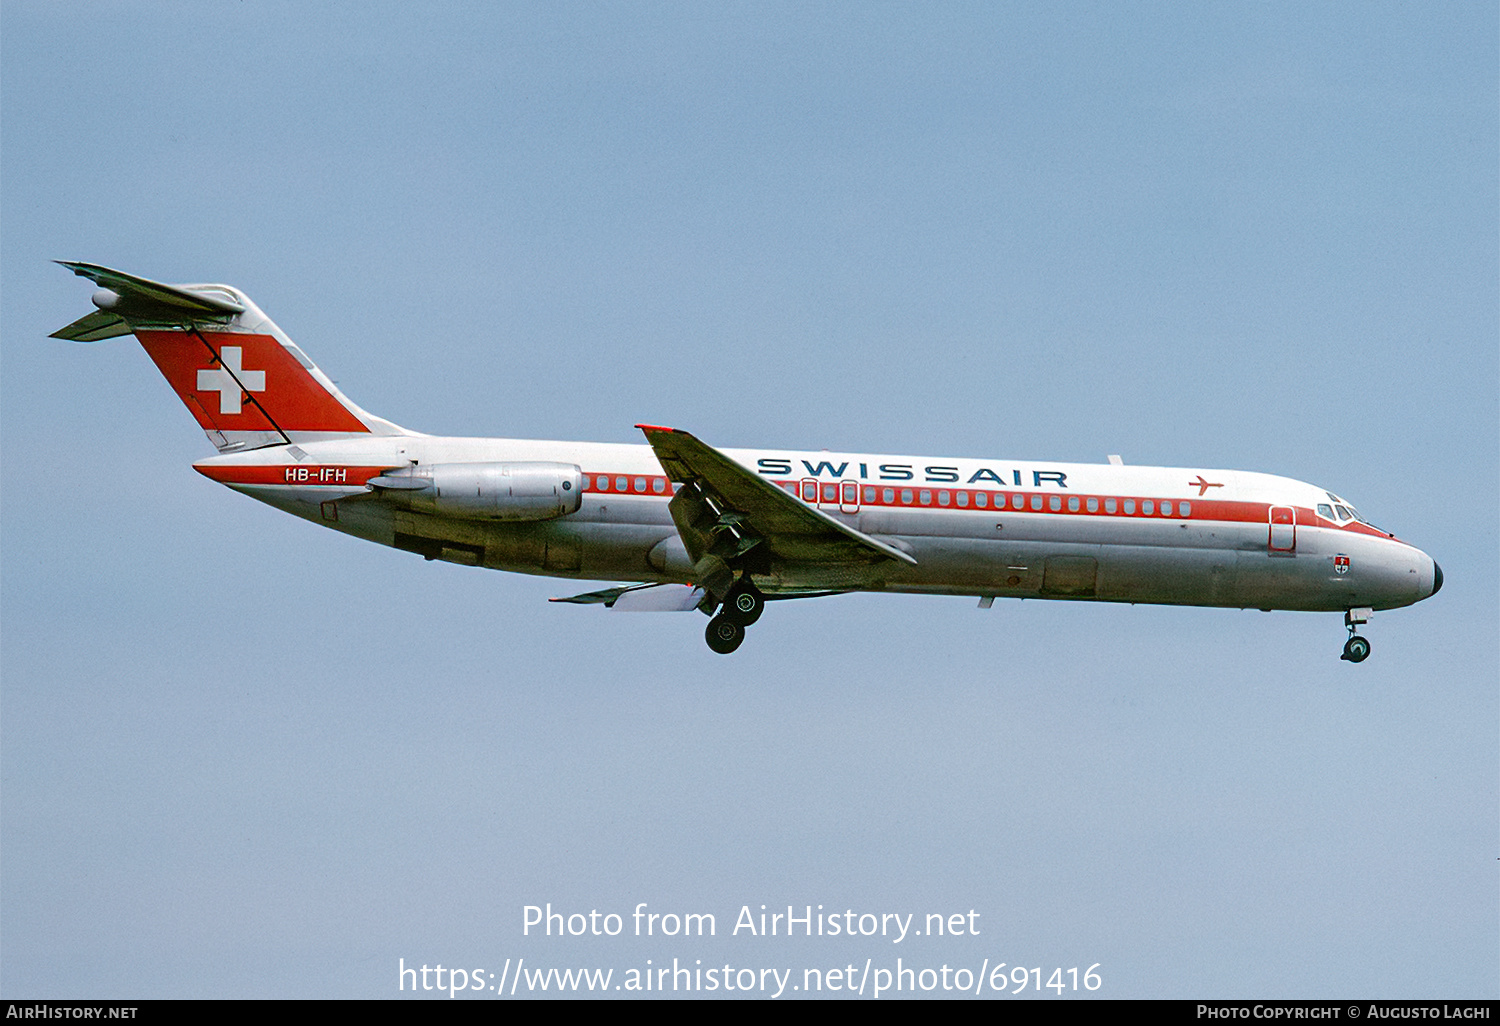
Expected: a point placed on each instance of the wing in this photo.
(725, 510)
(666, 598)
(641, 598)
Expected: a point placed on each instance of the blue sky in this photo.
(245, 757)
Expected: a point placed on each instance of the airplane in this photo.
(723, 531)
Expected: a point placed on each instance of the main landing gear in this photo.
(741, 607)
(1356, 649)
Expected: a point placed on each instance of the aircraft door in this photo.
(831, 495)
(848, 496)
(1283, 536)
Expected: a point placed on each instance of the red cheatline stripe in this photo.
(330, 474)
(657, 486)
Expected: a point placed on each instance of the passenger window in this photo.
(1130, 507)
(925, 497)
(963, 498)
(640, 484)
(943, 498)
(1185, 509)
(1072, 504)
(1092, 505)
(869, 494)
(1055, 502)
(1109, 505)
(622, 484)
(1036, 502)
(830, 493)
(982, 499)
(659, 485)
(1148, 507)
(888, 496)
(906, 496)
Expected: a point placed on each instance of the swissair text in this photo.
(845, 470)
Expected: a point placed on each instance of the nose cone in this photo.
(1430, 576)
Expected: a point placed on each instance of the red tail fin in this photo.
(245, 382)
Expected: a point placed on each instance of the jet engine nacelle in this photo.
(488, 491)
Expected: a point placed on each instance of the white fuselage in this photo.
(996, 528)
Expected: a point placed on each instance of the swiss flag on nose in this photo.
(242, 382)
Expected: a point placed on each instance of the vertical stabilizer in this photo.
(243, 380)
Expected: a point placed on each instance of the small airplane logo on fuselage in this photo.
(1203, 486)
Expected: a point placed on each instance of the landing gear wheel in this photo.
(743, 604)
(724, 635)
(1356, 649)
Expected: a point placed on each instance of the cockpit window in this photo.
(1345, 512)
(1325, 511)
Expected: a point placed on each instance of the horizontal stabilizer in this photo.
(94, 327)
(145, 295)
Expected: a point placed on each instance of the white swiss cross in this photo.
(222, 379)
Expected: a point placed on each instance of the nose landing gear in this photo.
(1356, 649)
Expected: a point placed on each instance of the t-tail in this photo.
(247, 384)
